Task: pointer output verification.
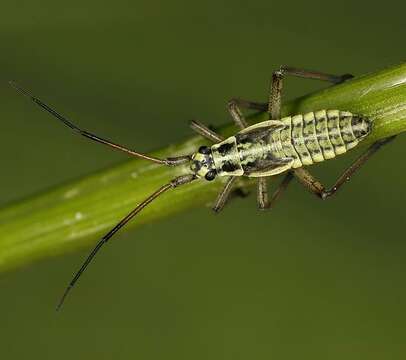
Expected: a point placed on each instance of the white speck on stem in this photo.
(71, 193)
(79, 216)
(76, 217)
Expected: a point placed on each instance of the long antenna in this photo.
(170, 161)
(181, 180)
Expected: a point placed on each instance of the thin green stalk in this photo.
(74, 215)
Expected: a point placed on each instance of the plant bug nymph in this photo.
(278, 145)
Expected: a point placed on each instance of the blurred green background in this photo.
(311, 279)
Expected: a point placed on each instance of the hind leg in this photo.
(275, 96)
(317, 188)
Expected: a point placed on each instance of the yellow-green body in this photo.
(275, 146)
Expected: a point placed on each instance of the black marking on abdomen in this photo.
(298, 140)
(360, 126)
(321, 135)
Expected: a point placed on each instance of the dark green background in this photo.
(311, 280)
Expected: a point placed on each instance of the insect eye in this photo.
(210, 175)
(204, 150)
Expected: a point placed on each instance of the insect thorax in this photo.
(226, 158)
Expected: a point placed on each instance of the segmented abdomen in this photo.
(321, 135)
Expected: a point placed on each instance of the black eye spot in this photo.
(204, 150)
(210, 175)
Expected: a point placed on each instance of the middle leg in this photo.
(236, 114)
(224, 194)
(262, 195)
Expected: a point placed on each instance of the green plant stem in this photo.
(74, 215)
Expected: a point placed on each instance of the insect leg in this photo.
(275, 96)
(263, 202)
(281, 189)
(317, 75)
(262, 193)
(181, 180)
(277, 87)
(274, 104)
(169, 161)
(318, 189)
(236, 114)
(204, 131)
(247, 104)
(224, 194)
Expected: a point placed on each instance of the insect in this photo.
(278, 145)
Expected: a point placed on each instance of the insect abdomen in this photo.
(321, 135)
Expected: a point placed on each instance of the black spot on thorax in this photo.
(225, 148)
(228, 166)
